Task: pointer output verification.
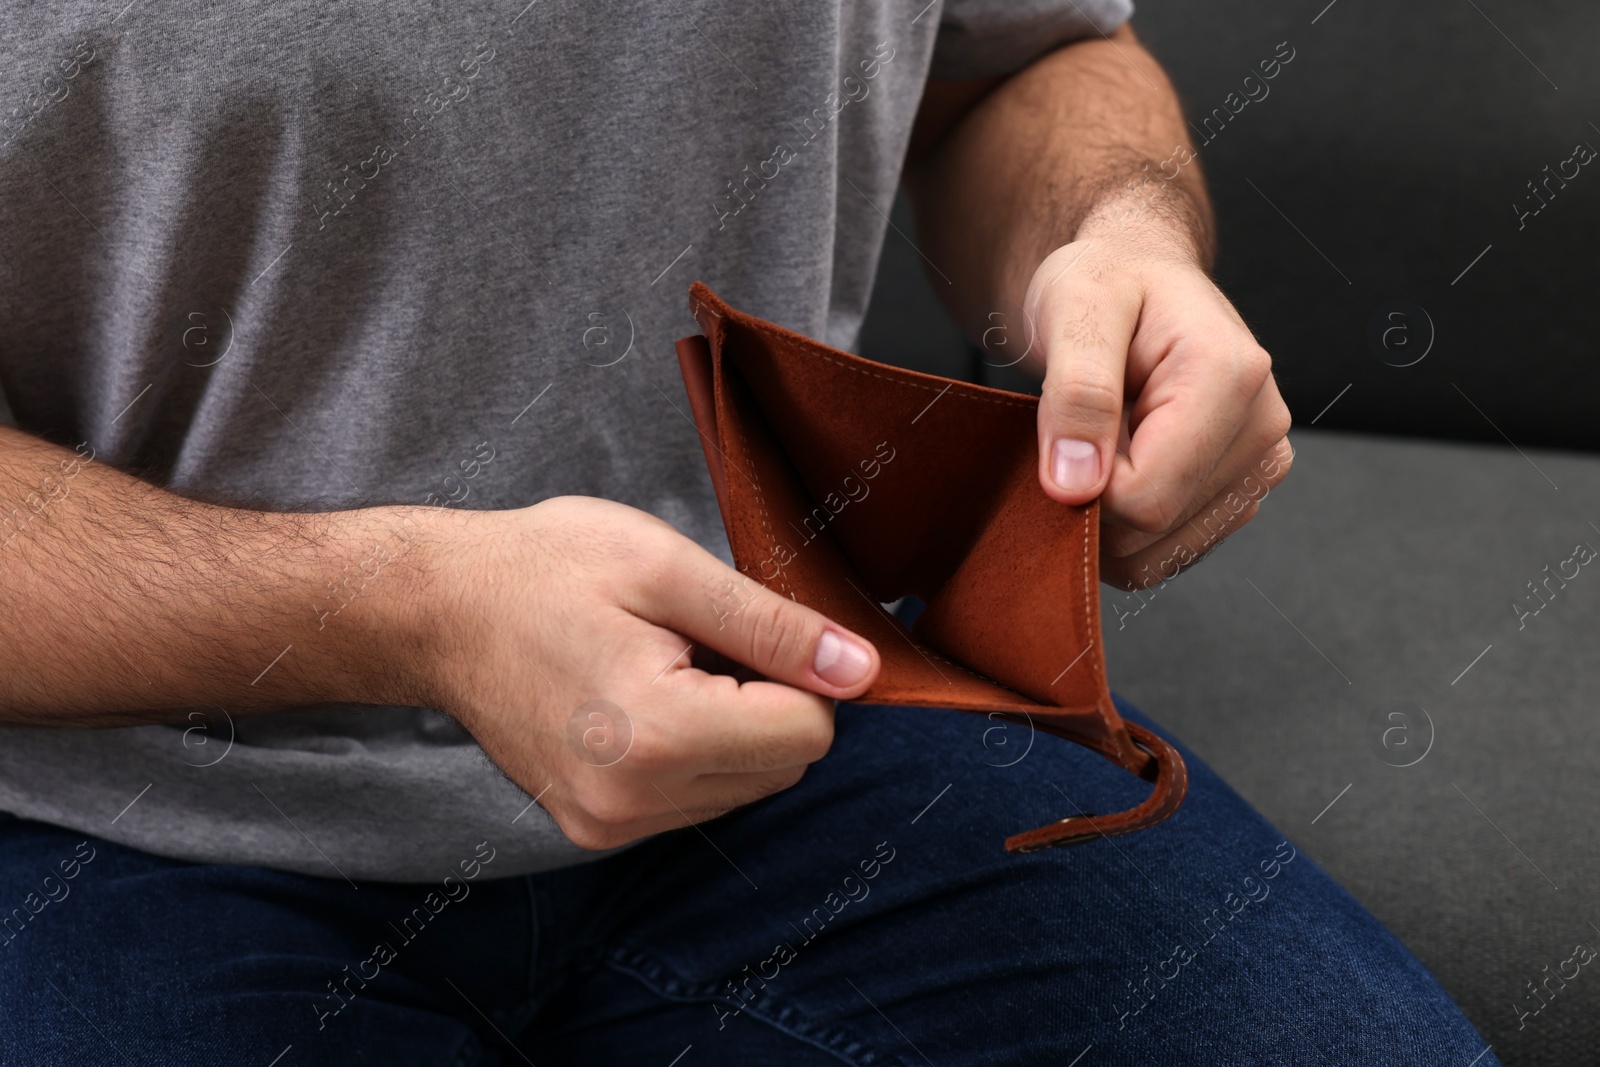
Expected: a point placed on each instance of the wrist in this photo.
(1152, 217)
(392, 607)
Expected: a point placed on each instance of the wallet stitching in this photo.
(766, 520)
(761, 496)
(973, 674)
(927, 650)
(1088, 631)
(969, 672)
(822, 354)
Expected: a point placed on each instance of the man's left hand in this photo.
(1157, 399)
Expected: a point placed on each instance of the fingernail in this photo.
(1075, 465)
(840, 661)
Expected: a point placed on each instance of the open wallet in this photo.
(847, 484)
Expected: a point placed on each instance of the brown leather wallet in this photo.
(847, 484)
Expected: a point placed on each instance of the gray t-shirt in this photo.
(325, 256)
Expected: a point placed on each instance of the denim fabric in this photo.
(868, 916)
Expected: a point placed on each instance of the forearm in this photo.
(1089, 140)
(123, 603)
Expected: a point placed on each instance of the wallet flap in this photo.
(909, 484)
(779, 539)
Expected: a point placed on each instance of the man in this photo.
(351, 449)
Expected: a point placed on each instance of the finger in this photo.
(709, 603)
(662, 806)
(712, 795)
(712, 724)
(713, 662)
(703, 742)
(1188, 413)
(1084, 327)
(1248, 453)
(1173, 554)
(1224, 515)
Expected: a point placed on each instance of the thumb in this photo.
(721, 609)
(1085, 329)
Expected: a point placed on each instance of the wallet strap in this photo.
(1166, 769)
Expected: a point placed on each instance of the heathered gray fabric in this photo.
(319, 255)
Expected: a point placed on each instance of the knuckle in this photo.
(1120, 542)
(788, 779)
(1242, 519)
(655, 751)
(1090, 394)
(647, 751)
(1285, 459)
(767, 785)
(771, 784)
(813, 741)
(1279, 423)
(1274, 466)
(1253, 367)
(592, 836)
(1153, 513)
(658, 549)
(775, 636)
(602, 805)
(1227, 514)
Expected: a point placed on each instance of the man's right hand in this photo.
(576, 599)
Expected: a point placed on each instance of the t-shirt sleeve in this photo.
(988, 38)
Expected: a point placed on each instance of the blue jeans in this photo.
(867, 916)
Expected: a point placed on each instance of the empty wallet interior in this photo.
(846, 484)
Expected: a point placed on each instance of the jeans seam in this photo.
(788, 1019)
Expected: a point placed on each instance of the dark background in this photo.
(1392, 149)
